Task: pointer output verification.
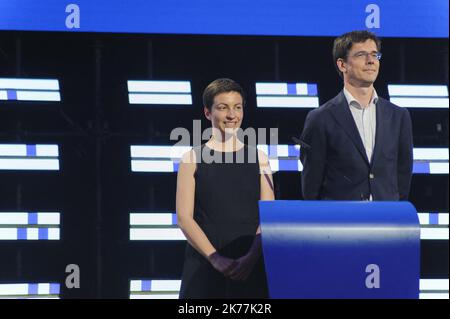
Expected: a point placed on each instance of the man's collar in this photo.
(352, 101)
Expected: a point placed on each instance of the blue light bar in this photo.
(419, 96)
(166, 158)
(170, 289)
(30, 291)
(163, 226)
(292, 95)
(29, 226)
(15, 89)
(29, 157)
(160, 92)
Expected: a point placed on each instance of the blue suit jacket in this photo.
(335, 164)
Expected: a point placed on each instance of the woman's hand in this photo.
(222, 264)
(244, 267)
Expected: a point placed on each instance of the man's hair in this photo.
(219, 86)
(343, 44)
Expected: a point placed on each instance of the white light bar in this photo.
(155, 296)
(163, 226)
(164, 158)
(38, 96)
(430, 154)
(154, 151)
(287, 101)
(295, 95)
(436, 295)
(37, 218)
(29, 157)
(138, 219)
(154, 289)
(439, 168)
(29, 226)
(434, 289)
(417, 90)
(153, 166)
(434, 284)
(177, 99)
(13, 89)
(292, 89)
(433, 218)
(156, 158)
(169, 289)
(154, 226)
(155, 285)
(29, 164)
(434, 233)
(29, 84)
(15, 150)
(29, 233)
(30, 290)
(413, 102)
(159, 86)
(281, 150)
(160, 92)
(419, 96)
(156, 234)
(24, 233)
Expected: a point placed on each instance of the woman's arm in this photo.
(185, 215)
(267, 187)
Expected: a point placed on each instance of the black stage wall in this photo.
(94, 126)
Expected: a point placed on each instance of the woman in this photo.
(217, 204)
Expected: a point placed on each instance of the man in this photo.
(357, 146)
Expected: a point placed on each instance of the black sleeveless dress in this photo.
(226, 209)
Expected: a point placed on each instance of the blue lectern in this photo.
(340, 249)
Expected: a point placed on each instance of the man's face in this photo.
(361, 66)
(226, 112)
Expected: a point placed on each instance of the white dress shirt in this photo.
(365, 118)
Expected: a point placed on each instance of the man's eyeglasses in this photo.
(365, 55)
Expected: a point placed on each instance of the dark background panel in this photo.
(94, 125)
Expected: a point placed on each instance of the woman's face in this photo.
(226, 112)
